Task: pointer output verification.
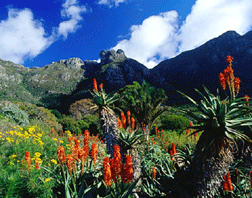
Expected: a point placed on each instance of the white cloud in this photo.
(159, 37)
(21, 36)
(73, 11)
(211, 18)
(154, 37)
(111, 3)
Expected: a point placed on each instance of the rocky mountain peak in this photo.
(112, 56)
(72, 63)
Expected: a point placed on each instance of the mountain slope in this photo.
(202, 66)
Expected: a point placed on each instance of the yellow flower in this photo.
(39, 134)
(55, 139)
(37, 154)
(11, 132)
(49, 164)
(54, 161)
(12, 163)
(61, 141)
(9, 139)
(47, 179)
(14, 155)
(69, 134)
(18, 161)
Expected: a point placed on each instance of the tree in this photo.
(107, 116)
(144, 102)
(220, 123)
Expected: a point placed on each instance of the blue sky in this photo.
(36, 33)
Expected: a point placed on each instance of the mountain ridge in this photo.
(60, 83)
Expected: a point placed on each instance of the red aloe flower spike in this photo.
(94, 152)
(128, 117)
(129, 168)
(222, 81)
(237, 84)
(119, 123)
(95, 85)
(154, 171)
(61, 154)
(28, 158)
(132, 124)
(229, 59)
(117, 160)
(107, 172)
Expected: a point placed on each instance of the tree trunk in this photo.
(110, 128)
(136, 162)
(207, 168)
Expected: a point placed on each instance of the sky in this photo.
(37, 33)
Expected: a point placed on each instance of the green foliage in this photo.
(40, 115)
(143, 101)
(220, 117)
(93, 123)
(174, 122)
(56, 113)
(13, 112)
(69, 124)
(89, 122)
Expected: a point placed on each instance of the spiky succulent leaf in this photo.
(223, 117)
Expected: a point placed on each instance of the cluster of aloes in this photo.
(125, 122)
(116, 171)
(78, 161)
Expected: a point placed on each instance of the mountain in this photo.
(61, 83)
(201, 66)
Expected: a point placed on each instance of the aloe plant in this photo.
(103, 103)
(220, 123)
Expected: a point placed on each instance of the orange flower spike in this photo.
(70, 163)
(101, 86)
(246, 99)
(112, 167)
(119, 123)
(107, 172)
(94, 152)
(95, 85)
(229, 182)
(117, 160)
(28, 158)
(128, 117)
(123, 119)
(224, 184)
(61, 154)
(132, 124)
(154, 171)
(237, 82)
(174, 148)
(129, 168)
(190, 124)
(229, 59)
(222, 81)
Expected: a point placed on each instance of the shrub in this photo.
(40, 115)
(81, 108)
(174, 122)
(14, 113)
